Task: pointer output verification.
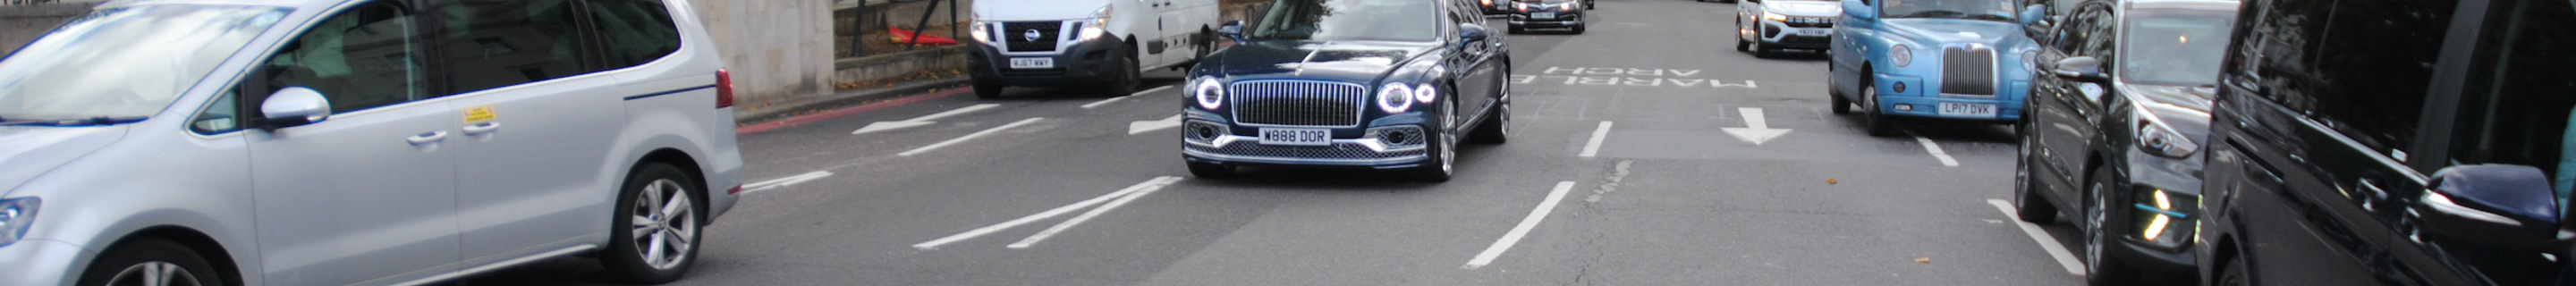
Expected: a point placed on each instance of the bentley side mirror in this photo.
(2494, 205)
(295, 106)
(2084, 69)
(1232, 29)
(1470, 33)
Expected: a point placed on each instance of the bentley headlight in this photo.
(1208, 93)
(2161, 140)
(1774, 17)
(1900, 55)
(1394, 98)
(15, 214)
(1098, 24)
(1425, 93)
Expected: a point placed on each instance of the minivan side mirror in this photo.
(295, 106)
(1859, 10)
(2081, 68)
(2496, 205)
(1232, 30)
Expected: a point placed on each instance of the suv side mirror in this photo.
(2081, 68)
(295, 106)
(1859, 10)
(2497, 205)
(1232, 29)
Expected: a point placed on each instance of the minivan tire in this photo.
(138, 257)
(625, 258)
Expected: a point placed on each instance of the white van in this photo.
(1107, 43)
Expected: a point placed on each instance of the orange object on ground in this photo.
(901, 36)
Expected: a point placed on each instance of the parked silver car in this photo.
(332, 142)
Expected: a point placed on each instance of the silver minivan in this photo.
(332, 142)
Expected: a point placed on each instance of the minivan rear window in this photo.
(635, 31)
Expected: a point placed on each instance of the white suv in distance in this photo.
(1766, 26)
(334, 142)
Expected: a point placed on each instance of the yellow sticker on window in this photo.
(478, 114)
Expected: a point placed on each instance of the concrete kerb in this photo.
(848, 98)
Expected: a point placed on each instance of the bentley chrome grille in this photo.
(1968, 70)
(1298, 103)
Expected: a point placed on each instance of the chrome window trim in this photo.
(1359, 108)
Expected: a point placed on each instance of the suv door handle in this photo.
(484, 128)
(428, 138)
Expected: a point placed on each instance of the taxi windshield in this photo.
(2174, 48)
(1992, 10)
(1350, 20)
(124, 61)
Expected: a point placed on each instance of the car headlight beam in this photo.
(1425, 93)
(983, 32)
(1208, 93)
(1395, 98)
(1094, 27)
(1774, 17)
(2159, 139)
(15, 215)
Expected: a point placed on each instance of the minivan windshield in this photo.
(1993, 10)
(2174, 47)
(1350, 20)
(123, 62)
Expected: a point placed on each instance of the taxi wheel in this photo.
(1210, 170)
(1841, 105)
(151, 261)
(1871, 119)
(654, 235)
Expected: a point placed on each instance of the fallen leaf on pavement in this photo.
(1925, 259)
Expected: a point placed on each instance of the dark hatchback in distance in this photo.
(2110, 133)
(2416, 142)
(1382, 84)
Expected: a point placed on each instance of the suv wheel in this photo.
(654, 236)
(2100, 269)
(2026, 201)
(151, 261)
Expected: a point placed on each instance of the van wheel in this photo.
(988, 91)
(654, 235)
(151, 261)
(1132, 77)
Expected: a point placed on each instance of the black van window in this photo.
(2366, 85)
(494, 43)
(634, 31)
(2516, 108)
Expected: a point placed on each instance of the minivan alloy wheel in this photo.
(665, 224)
(154, 273)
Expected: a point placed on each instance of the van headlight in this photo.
(1395, 98)
(1097, 25)
(1774, 17)
(15, 215)
(1208, 93)
(983, 32)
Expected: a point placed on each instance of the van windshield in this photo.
(1350, 20)
(124, 61)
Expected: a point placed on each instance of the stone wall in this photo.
(777, 50)
(22, 23)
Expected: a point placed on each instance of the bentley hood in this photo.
(26, 152)
(1361, 62)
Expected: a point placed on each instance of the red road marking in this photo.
(846, 111)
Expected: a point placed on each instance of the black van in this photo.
(2396, 142)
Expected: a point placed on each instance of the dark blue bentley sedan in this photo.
(1382, 84)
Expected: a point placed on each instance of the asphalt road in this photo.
(1664, 196)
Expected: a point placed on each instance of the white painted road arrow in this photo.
(1756, 130)
(919, 121)
(1134, 128)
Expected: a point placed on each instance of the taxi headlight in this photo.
(1900, 55)
(1395, 98)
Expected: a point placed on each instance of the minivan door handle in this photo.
(428, 138)
(484, 128)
